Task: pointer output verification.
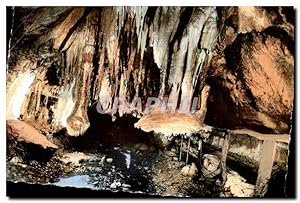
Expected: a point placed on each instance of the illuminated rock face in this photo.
(253, 74)
(66, 59)
(24, 132)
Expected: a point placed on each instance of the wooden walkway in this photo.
(176, 123)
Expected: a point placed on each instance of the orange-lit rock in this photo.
(252, 80)
(26, 133)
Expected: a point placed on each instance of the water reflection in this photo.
(78, 181)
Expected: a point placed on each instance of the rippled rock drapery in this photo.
(63, 60)
(76, 56)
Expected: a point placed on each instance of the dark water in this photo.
(131, 167)
(130, 152)
(129, 172)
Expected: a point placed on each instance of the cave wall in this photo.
(65, 59)
(252, 71)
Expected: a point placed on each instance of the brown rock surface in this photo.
(253, 18)
(78, 56)
(169, 123)
(25, 132)
(89, 55)
(253, 78)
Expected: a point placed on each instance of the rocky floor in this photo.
(135, 167)
(121, 159)
(150, 172)
(139, 170)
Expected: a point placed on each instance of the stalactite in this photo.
(141, 52)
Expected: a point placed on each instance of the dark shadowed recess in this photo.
(9, 19)
(103, 131)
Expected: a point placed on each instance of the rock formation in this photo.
(252, 70)
(72, 57)
(23, 132)
(63, 60)
(182, 70)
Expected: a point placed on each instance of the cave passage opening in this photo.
(105, 133)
